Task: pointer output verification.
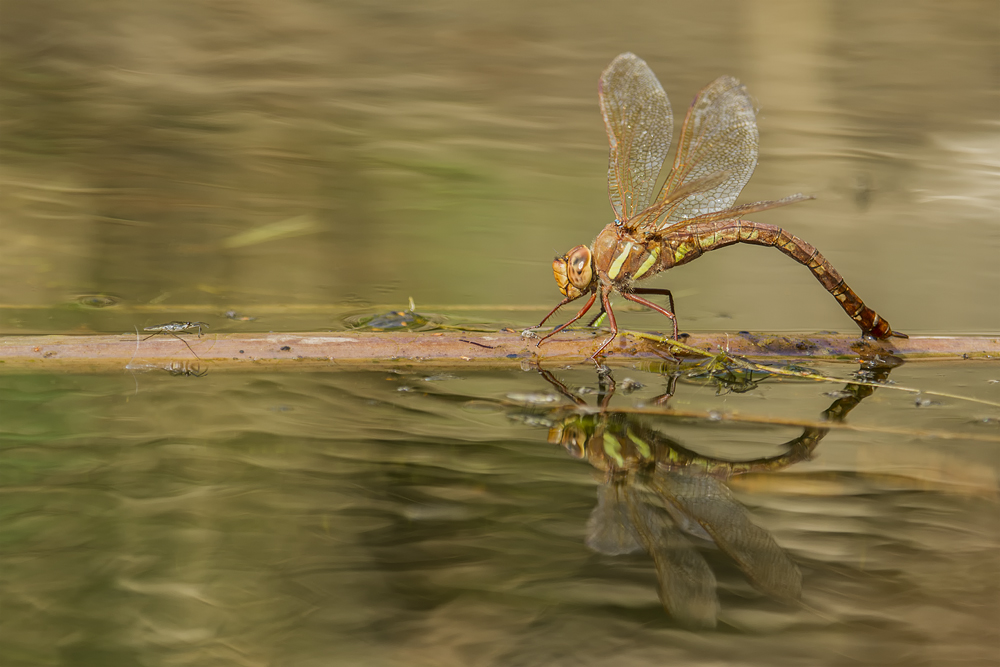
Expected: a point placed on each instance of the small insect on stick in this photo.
(175, 327)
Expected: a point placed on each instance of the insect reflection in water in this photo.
(694, 211)
(659, 497)
(187, 369)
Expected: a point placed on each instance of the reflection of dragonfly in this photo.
(694, 210)
(656, 494)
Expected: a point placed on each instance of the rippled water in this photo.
(425, 518)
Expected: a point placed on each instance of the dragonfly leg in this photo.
(583, 311)
(641, 290)
(553, 312)
(661, 292)
(597, 318)
(650, 304)
(670, 301)
(714, 236)
(606, 303)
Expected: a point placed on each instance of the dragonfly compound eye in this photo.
(574, 271)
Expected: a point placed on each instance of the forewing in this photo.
(707, 501)
(640, 124)
(719, 137)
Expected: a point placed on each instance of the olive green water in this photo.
(408, 518)
(300, 163)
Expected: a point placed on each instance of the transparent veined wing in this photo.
(640, 125)
(735, 212)
(716, 155)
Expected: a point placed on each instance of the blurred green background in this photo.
(294, 160)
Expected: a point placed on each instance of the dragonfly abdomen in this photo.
(699, 239)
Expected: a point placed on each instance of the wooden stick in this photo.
(502, 349)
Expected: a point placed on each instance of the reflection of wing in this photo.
(609, 529)
(687, 584)
(708, 501)
(716, 155)
(640, 124)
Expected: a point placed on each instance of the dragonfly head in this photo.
(574, 272)
(571, 434)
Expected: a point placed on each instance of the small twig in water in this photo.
(472, 342)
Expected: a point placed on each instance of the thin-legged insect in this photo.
(175, 327)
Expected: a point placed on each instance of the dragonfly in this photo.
(694, 210)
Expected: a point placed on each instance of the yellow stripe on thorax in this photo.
(648, 264)
(616, 266)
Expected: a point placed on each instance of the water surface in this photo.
(425, 518)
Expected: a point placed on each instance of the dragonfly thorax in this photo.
(620, 257)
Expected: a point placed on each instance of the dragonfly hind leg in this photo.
(649, 304)
(641, 290)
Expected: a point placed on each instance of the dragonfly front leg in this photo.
(553, 312)
(530, 330)
(583, 311)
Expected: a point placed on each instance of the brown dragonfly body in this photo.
(694, 210)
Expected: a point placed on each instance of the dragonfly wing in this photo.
(734, 212)
(649, 218)
(719, 136)
(640, 125)
(710, 503)
(610, 530)
(686, 584)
